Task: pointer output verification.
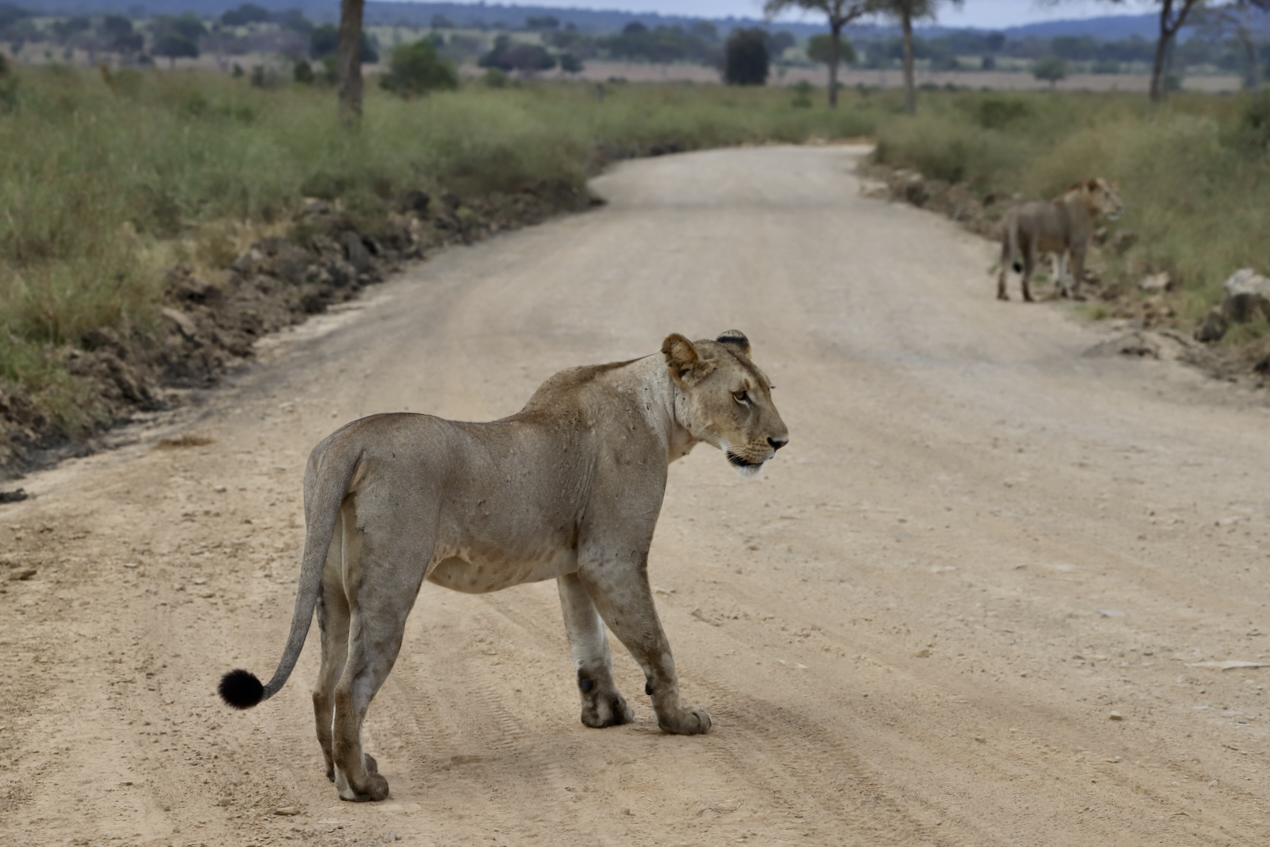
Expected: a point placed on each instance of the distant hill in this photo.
(1109, 28)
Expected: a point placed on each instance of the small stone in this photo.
(129, 564)
(1116, 716)
(23, 574)
(287, 811)
(219, 489)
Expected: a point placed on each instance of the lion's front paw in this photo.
(689, 721)
(606, 710)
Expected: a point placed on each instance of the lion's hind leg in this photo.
(602, 704)
(333, 622)
(382, 575)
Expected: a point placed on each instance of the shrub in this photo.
(802, 94)
(415, 69)
(746, 61)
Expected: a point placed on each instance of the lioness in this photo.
(1061, 227)
(568, 488)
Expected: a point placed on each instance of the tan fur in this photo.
(569, 488)
(1062, 228)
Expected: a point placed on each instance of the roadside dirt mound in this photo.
(211, 324)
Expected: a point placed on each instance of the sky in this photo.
(984, 14)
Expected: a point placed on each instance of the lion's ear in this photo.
(682, 359)
(737, 340)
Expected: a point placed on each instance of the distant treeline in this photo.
(481, 32)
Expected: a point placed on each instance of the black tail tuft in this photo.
(241, 689)
(1018, 267)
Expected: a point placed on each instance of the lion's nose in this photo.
(777, 443)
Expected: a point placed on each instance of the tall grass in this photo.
(106, 177)
(1194, 173)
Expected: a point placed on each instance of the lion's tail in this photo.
(326, 480)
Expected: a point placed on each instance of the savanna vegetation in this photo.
(107, 178)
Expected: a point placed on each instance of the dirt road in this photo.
(981, 600)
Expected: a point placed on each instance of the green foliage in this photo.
(508, 55)
(996, 111)
(746, 61)
(303, 73)
(802, 94)
(1050, 68)
(495, 78)
(415, 69)
(324, 41)
(246, 14)
(820, 49)
(1250, 133)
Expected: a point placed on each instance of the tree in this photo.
(509, 55)
(325, 41)
(1050, 68)
(177, 37)
(746, 61)
(245, 15)
(820, 48)
(570, 63)
(906, 11)
(415, 69)
(840, 13)
(348, 61)
(173, 45)
(1173, 16)
(1236, 17)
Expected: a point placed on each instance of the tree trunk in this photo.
(1168, 29)
(1244, 35)
(835, 53)
(910, 88)
(1161, 53)
(348, 61)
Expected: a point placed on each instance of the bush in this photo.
(494, 78)
(746, 61)
(802, 94)
(415, 69)
(1251, 132)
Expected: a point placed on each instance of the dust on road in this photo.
(983, 598)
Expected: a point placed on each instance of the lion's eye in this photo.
(742, 396)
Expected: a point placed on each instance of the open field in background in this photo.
(107, 179)
(596, 70)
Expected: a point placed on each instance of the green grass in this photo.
(106, 178)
